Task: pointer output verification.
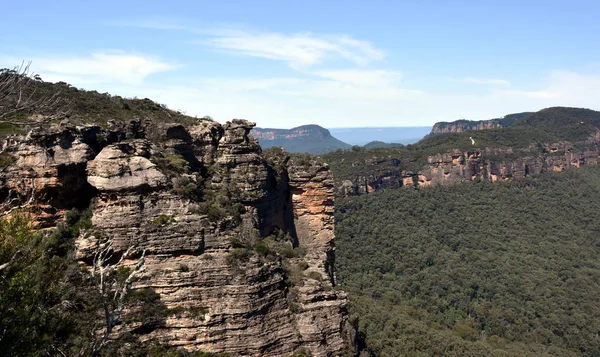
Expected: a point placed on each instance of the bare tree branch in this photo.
(12, 259)
(4, 207)
(113, 292)
(18, 94)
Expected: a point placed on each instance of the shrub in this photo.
(293, 300)
(303, 264)
(162, 220)
(173, 165)
(315, 275)
(237, 255)
(262, 249)
(6, 159)
(184, 267)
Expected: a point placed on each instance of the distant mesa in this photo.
(312, 139)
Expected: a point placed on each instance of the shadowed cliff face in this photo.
(198, 200)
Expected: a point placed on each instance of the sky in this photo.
(333, 63)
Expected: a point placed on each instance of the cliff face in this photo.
(199, 251)
(486, 165)
(460, 166)
(460, 126)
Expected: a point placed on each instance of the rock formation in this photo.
(197, 200)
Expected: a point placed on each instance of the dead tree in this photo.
(19, 93)
(113, 292)
(13, 203)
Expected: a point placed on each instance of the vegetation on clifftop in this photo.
(53, 102)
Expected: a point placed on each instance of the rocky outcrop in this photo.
(224, 296)
(312, 196)
(48, 172)
(124, 166)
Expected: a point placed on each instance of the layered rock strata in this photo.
(222, 301)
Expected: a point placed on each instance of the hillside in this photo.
(46, 103)
(311, 139)
(477, 269)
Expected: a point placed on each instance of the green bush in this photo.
(173, 165)
(238, 255)
(162, 220)
(262, 249)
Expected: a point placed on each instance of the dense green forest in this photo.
(477, 269)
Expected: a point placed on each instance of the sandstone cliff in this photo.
(460, 126)
(489, 164)
(198, 201)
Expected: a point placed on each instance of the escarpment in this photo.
(488, 164)
(238, 245)
(460, 126)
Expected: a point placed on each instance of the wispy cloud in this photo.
(362, 77)
(299, 50)
(486, 81)
(100, 67)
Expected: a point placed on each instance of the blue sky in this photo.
(332, 63)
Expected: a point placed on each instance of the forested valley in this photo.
(475, 269)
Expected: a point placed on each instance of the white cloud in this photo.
(298, 50)
(100, 67)
(339, 98)
(341, 85)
